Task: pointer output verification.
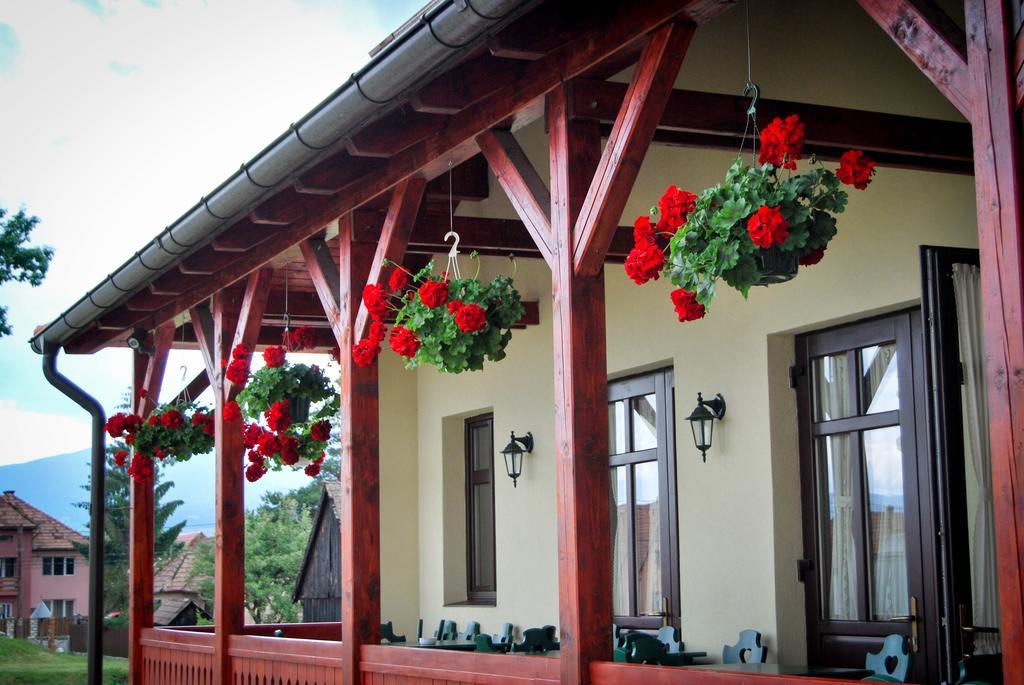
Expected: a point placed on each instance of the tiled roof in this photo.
(170, 609)
(176, 574)
(47, 532)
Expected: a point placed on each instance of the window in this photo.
(645, 561)
(481, 586)
(60, 608)
(5, 610)
(8, 567)
(6, 538)
(58, 566)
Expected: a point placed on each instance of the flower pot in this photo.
(775, 265)
(299, 407)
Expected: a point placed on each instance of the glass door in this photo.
(645, 563)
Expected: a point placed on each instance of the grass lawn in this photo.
(26, 663)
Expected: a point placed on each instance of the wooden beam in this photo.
(157, 364)
(630, 138)
(708, 120)
(621, 24)
(581, 400)
(202, 324)
(359, 475)
(196, 387)
(250, 317)
(447, 95)
(999, 183)
(326, 279)
(405, 205)
(931, 40)
(522, 184)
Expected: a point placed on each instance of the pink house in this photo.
(38, 562)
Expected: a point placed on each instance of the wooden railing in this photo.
(382, 664)
(607, 673)
(176, 657)
(284, 661)
(8, 584)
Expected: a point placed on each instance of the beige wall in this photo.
(739, 514)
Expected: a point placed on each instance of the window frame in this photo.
(477, 593)
(6, 610)
(51, 562)
(13, 561)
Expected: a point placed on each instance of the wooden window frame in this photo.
(52, 562)
(476, 594)
(13, 565)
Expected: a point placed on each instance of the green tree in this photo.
(18, 261)
(275, 542)
(307, 498)
(117, 527)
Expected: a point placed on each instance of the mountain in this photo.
(54, 484)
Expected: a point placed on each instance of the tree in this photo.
(275, 543)
(19, 262)
(307, 498)
(117, 527)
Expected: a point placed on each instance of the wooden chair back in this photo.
(892, 661)
(748, 650)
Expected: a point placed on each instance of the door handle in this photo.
(967, 631)
(914, 620)
(664, 613)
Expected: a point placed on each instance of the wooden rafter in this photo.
(630, 138)
(250, 319)
(324, 272)
(931, 40)
(197, 386)
(401, 216)
(202, 325)
(155, 367)
(522, 184)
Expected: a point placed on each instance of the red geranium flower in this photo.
(289, 450)
(674, 206)
(153, 421)
(251, 435)
(141, 468)
(232, 412)
(454, 306)
(782, 142)
(365, 352)
(856, 169)
(268, 444)
(643, 231)
(279, 416)
(645, 262)
(434, 293)
(320, 431)
(240, 352)
(398, 280)
(405, 342)
(313, 469)
(686, 305)
(378, 331)
(767, 227)
(254, 471)
(115, 425)
(237, 371)
(120, 458)
(813, 257)
(172, 419)
(274, 356)
(471, 318)
(376, 300)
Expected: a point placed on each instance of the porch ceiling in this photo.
(498, 84)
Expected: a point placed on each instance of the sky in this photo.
(116, 117)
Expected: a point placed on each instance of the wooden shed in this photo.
(318, 585)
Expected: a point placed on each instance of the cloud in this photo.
(39, 434)
(9, 49)
(94, 6)
(123, 69)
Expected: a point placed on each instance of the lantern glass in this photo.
(702, 422)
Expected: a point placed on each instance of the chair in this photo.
(641, 648)
(446, 630)
(669, 636)
(388, 633)
(505, 636)
(748, 650)
(981, 669)
(537, 640)
(485, 644)
(471, 631)
(891, 663)
(419, 628)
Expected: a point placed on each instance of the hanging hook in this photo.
(453, 254)
(753, 91)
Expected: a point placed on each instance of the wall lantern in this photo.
(702, 422)
(513, 454)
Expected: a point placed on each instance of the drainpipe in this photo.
(94, 641)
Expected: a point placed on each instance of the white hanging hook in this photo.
(453, 254)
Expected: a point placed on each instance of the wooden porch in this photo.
(375, 196)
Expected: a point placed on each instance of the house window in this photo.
(60, 608)
(5, 610)
(58, 566)
(6, 538)
(8, 566)
(481, 586)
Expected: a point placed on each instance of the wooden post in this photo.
(998, 169)
(360, 467)
(147, 379)
(581, 406)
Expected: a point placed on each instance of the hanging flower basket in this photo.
(756, 228)
(454, 324)
(173, 431)
(289, 407)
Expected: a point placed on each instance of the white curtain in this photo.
(843, 577)
(620, 547)
(967, 290)
(650, 565)
(891, 597)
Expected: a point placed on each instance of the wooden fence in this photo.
(22, 627)
(115, 640)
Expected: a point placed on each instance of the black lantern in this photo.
(702, 422)
(513, 454)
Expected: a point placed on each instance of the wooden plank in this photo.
(708, 120)
(598, 39)
(359, 507)
(202, 326)
(522, 184)
(627, 146)
(401, 216)
(157, 363)
(931, 40)
(324, 272)
(250, 317)
(608, 673)
(999, 170)
(581, 431)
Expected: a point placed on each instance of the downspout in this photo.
(94, 640)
